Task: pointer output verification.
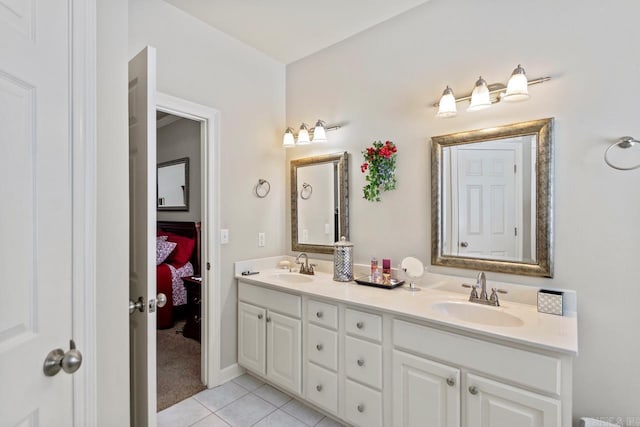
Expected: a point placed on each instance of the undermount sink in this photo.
(292, 278)
(476, 313)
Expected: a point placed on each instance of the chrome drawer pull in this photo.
(451, 382)
(319, 315)
(360, 325)
(260, 316)
(473, 390)
(319, 347)
(360, 362)
(361, 407)
(319, 387)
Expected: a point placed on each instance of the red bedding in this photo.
(165, 314)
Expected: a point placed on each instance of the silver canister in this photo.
(343, 261)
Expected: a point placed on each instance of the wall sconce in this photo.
(484, 95)
(305, 136)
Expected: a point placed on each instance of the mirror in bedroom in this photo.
(173, 185)
(319, 202)
(492, 201)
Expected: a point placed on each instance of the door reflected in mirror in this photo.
(491, 199)
(319, 202)
(173, 185)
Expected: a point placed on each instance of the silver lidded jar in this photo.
(343, 261)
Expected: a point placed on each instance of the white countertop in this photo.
(544, 331)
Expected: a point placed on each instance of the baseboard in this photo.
(229, 373)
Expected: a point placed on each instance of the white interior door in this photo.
(487, 209)
(36, 210)
(142, 223)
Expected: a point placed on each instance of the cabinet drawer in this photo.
(322, 387)
(363, 361)
(322, 314)
(280, 302)
(363, 406)
(364, 325)
(322, 346)
(520, 366)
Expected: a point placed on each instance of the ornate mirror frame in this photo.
(543, 265)
(341, 162)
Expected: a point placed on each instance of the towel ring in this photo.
(262, 188)
(624, 142)
(307, 190)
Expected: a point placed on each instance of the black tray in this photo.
(366, 280)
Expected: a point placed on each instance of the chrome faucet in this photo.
(305, 268)
(481, 282)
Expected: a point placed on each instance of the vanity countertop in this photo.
(539, 330)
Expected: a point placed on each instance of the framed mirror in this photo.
(173, 185)
(492, 199)
(319, 202)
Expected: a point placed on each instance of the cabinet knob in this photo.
(319, 347)
(360, 362)
(319, 315)
(319, 387)
(260, 316)
(361, 407)
(473, 390)
(360, 325)
(268, 319)
(451, 382)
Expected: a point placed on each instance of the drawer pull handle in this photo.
(319, 315)
(451, 382)
(319, 347)
(473, 390)
(319, 387)
(361, 407)
(360, 325)
(360, 362)
(260, 316)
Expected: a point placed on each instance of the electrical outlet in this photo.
(260, 240)
(224, 236)
(305, 235)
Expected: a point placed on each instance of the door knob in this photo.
(464, 244)
(57, 359)
(136, 305)
(162, 300)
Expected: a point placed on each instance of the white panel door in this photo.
(35, 210)
(492, 404)
(252, 331)
(487, 203)
(425, 393)
(142, 229)
(284, 351)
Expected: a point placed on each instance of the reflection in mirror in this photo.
(319, 202)
(492, 205)
(173, 185)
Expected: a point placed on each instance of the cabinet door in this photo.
(251, 337)
(493, 404)
(425, 393)
(284, 351)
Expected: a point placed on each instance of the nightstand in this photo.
(192, 327)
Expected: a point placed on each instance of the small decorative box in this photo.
(550, 302)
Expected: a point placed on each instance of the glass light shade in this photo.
(319, 132)
(288, 140)
(303, 135)
(447, 104)
(480, 98)
(518, 86)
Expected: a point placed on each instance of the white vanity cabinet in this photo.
(269, 335)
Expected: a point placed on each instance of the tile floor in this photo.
(243, 402)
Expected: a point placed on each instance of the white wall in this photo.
(383, 81)
(177, 140)
(203, 65)
(112, 220)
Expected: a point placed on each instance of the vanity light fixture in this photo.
(305, 136)
(483, 95)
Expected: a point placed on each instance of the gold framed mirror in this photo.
(492, 199)
(319, 202)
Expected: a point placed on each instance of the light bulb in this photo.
(319, 132)
(303, 135)
(447, 104)
(288, 140)
(518, 86)
(480, 98)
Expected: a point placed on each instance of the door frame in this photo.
(209, 119)
(83, 100)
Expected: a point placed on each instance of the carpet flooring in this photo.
(178, 370)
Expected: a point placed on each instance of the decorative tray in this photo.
(366, 280)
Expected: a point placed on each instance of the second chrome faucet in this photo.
(483, 298)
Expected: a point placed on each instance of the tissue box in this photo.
(550, 302)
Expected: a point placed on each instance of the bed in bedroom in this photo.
(178, 248)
